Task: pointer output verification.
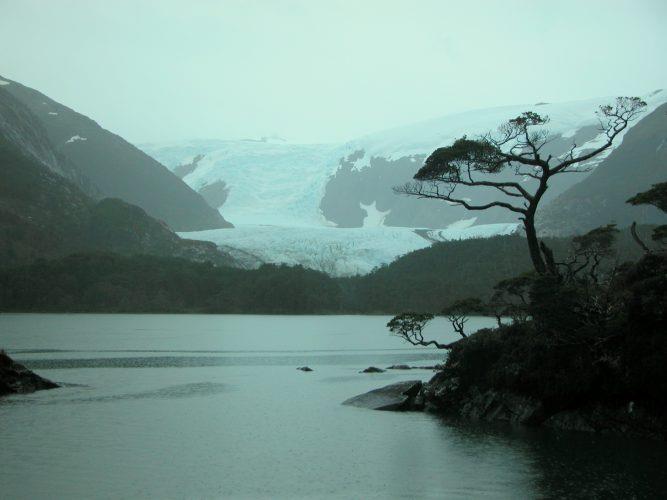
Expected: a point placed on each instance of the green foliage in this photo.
(598, 241)
(427, 280)
(510, 297)
(113, 283)
(563, 360)
(656, 196)
(467, 306)
(449, 164)
(405, 323)
(660, 234)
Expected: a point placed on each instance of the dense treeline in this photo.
(425, 280)
(435, 277)
(113, 283)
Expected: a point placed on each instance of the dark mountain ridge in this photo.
(111, 166)
(599, 199)
(44, 214)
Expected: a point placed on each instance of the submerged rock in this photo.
(398, 367)
(17, 379)
(372, 369)
(305, 368)
(402, 396)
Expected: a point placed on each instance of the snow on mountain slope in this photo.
(465, 229)
(566, 118)
(385, 159)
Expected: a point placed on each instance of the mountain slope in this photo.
(350, 185)
(114, 167)
(385, 159)
(639, 162)
(44, 215)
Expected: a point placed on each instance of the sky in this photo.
(322, 70)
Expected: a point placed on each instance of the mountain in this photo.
(350, 185)
(45, 214)
(105, 165)
(379, 161)
(331, 207)
(600, 199)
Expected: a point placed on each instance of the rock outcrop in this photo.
(402, 396)
(444, 394)
(17, 379)
(372, 369)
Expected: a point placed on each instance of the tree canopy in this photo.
(516, 148)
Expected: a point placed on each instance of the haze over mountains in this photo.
(70, 185)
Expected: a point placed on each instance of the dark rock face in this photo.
(43, 214)
(444, 394)
(372, 369)
(215, 194)
(403, 396)
(627, 420)
(17, 379)
(407, 367)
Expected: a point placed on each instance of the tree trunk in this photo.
(638, 240)
(534, 245)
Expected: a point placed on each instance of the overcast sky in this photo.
(322, 70)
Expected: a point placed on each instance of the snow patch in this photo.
(361, 163)
(75, 138)
(374, 217)
(53, 113)
(423, 138)
(453, 232)
(4, 82)
(461, 224)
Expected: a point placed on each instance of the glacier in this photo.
(270, 182)
(335, 251)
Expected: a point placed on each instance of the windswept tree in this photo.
(517, 148)
(410, 326)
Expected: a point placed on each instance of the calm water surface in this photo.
(176, 406)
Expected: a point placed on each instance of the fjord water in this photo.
(179, 406)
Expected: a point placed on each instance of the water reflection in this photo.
(568, 464)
